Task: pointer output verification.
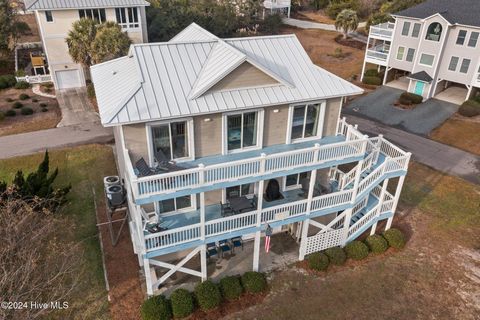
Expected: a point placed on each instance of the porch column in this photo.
(380, 204)
(256, 245)
(288, 15)
(203, 249)
(148, 276)
(385, 75)
(395, 201)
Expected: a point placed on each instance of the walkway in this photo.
(304, 24)
(439, 156)
(76, 108)
(37, 91)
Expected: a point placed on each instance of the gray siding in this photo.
(275, 128)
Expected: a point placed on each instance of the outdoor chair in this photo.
(212, 250)
(224, 246)
(237, 242)
(143, 169)
(226, 209)
(166, 164)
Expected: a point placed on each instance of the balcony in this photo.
(378, 54)
(276, 4)
(221, 171)
(383, 31)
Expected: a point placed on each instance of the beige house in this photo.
(55, 19)
(435, 45)
(218, 140)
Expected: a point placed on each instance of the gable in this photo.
(244, 76)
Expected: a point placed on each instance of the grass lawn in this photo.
(435, 277)
(84, 168)
(459, 133)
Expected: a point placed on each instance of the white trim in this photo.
(260, 123)
(321, 123)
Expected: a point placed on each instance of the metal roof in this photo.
(421, 76)
(193, 33)
(163, 77)
(75, 4)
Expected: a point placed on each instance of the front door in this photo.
(419, 88)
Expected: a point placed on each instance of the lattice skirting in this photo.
(324, 240)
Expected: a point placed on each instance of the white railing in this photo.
(384, 30)
(332, 200)
(36, 79)
(173, 237)
(377, 55)
(229, 224)
(276, 4)
(288, 210)
(387, 206)
(363, 221)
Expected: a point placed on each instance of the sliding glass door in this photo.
(305, 121)
(242, 131)
(171, 139)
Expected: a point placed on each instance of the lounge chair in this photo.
(166, 164)
(143, 169)
(226, 209)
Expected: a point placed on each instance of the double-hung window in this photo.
(453, 63)
(49, 16)
(171, 139)
(410, 54)
(242, 131)
(127, 18)
(427, 59)
(94, 14)
(462, 35)
(465, 65)
(472, 42)
(400, 53)
(416, 30)
(306, 121)
(406, 28)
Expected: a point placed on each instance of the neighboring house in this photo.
(436, 44)
(277, 6)
(243, 132)
(55, 19)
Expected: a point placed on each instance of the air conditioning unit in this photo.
(115, 195)
(111, 181)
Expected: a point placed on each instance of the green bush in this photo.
(409, 98)
(7, 81)
(208, 295)
(34, 100)
(231, 288)
(319, 4)
(254, 282)
(182, 303)
(90, 91)
(376, 243)
(477, 99)
(336, 255)
(271, 24)
(156, 308)
(371, 73)
(43, 105)
(26, 111)
(11, 113)
(375, 81)
(23, 96)
(318, 261)
(356, 250)
(395, 238)
(22, 85)
(17, 105)
(9, 100)
(44, 109)
(469, 108)
(335, 7)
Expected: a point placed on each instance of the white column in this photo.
(385, 75)
(203, 250)
(288, 15)
(256, 245)
(380, 203)
(364, 59)
(398, 191)
(148, 276)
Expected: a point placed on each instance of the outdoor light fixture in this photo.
(207, 120)
(276, 111)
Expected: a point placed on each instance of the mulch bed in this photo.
(350, 42)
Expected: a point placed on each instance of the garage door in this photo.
(68, 79)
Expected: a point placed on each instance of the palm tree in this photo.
(80, 40)
(347, 20)
(110, 42)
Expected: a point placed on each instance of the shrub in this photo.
(318, 261)
(395, 238)
(335, 7)
(22, 85)
(254, 282)
(23, 96)
(156, 308)
(376, 243)
(409, 98)
(208, 295)
(336, 255)
(11, 113)
(9, 100)
(231, 288)
(469, 108)
(7, 81)
(90, 91)
(376, 81)
(17, 105)
(319, 4)
(44, 109)
(2, 116)
(271, 24)
(26, 111)
(356, 250)
(182, 303)
(43, 105)
(371, 73)
(34, 100)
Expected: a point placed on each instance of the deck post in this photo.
(288, 14)
(148, 276)
(380, 204)
(398, 191)
(256, 246)
(203, 247)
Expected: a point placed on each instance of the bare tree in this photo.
(34, 265)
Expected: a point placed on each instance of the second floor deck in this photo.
(383, 31)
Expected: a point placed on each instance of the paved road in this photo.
(439, 156)
(38, 141)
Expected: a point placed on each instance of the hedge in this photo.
(469, 108)
(376, 243)
(409, 98)
(336, 255)
(231, 288)
(182, 303)
(7, 81)
(376, 81)
(318, 261)
(22, 85)
(156, 308)
(208, 295)
(395, 238)
(356, 250)
(254, 282)
(26, 111)
(371, 73)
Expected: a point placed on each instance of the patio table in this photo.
(239, 204)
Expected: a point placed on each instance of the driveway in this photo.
(379, 106)
(76, 108)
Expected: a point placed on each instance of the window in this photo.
(240, 191)
(427, 59)
(242, 131)
(453, 64)
(462, 35)
(434, 32)
(465, 65)
(305, 121)
(127, 18)
(400, 52)
(473, 39)
(410, 54)
(94, 14)
(49, 16)
(171, 139)
(416, 30)
(406, 28)
(293, 181)
(175, 204)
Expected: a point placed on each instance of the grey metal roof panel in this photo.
(421, 76)
(171, 70)
(193, 33)
(464, 12)
(74, 4)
